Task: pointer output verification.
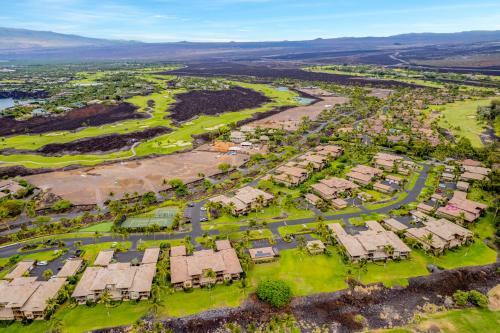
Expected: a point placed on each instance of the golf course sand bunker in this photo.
(213, 102)
(93, 115)
(93, 185)
(105, 143)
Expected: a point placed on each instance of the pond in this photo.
(304, 100)
(6, 103)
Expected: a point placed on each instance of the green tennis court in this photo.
(164, 217)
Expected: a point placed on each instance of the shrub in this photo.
(478, 299)
(474, 297)
(274, 292)
(61, 205)
(461, 297)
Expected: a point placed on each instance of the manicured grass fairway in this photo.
(463, 115)
(180, 138)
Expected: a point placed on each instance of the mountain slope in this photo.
(22, 39)
(20, 44)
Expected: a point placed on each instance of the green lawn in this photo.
(152, 243)
(275, 212)
(186, 303)
(393, 273)
(298, 229)
(460, 118)
(306, 274)
(92, 250)
(374, 206)
(101, 227)
(484, 228)
(475, 254)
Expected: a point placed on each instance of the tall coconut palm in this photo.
(106, 298)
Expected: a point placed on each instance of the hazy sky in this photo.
(247, 20)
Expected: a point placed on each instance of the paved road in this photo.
(196, 230)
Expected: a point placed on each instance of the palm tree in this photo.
(428, 238)
(97, 234)
(106, 299)
(244, 286)
(314, 247)
(155, 299)
(55, 325)
(211, 276)
(47, 274)
(389, 249)
(51, 307)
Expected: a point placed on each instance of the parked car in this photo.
(203, 208)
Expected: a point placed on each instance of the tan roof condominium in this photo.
(373, 244)
(22, 268)
(384, 188)
(333, 187)
(459, 207)
(122, 280)
(245, 200)
(25, 297)
(329, 150)
(70, 268)
(439, 235)
(363, 174)
(291, 175)
(205, 267)
(386, 161)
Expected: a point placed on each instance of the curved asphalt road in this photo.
(196, 230)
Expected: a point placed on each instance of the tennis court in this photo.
(164, 217)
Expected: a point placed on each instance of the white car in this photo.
(203, 208)
(42, 263)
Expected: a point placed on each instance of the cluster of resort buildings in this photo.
(435, 235)
(244, 200)
(335, 190)
(23, 296)
(204, 267)
(296, 172)
(375, 243)
(122, 280)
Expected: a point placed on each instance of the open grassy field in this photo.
(181, 138)
(460, 118)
